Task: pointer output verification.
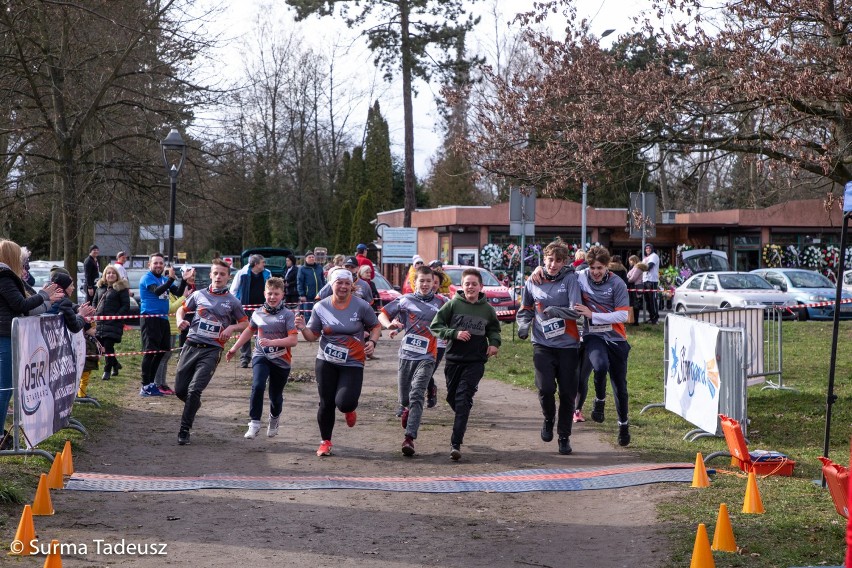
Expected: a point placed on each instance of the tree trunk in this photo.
(410, 198)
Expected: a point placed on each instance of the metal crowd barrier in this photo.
(749, 349)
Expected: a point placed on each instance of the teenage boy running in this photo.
(218, 314)
(471, 326)
(555, 340)
(276, 333)
(413, 313)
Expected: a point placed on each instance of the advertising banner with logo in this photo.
(692, 378)
(49, 362)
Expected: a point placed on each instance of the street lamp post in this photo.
(174, 154)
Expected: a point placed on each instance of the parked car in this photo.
(847, 280)
(808, 287)
(705, 260)
(387, 293)
(40, 269)
(276, 258)
(714, 290)
(498, 295)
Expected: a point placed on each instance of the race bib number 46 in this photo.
(335, 353)
(416, 344)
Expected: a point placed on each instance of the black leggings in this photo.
(609, 357)
(339, 387)
(110, 362)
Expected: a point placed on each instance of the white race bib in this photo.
(553, 327)
(416, 344)
(208, 328)
(271, 351)
(600, 328)
(335, 353)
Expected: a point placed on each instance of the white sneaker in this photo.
(272, 429)
(253, 429)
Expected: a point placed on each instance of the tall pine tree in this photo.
(362, 229)
(378, 167)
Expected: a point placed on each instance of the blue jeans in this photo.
(263, 369)
(5, 376)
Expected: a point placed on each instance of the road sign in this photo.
(399, 245)
(522, 213)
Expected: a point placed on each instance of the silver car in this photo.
(714, 290)
(808, 287)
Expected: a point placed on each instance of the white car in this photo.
(847, 281)
(715, 290)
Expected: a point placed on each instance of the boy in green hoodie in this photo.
(470, 325)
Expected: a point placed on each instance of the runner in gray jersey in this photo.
(545, 307)
(218, 315)
(418, 349)
(275, 329)
(605, 306)
(339, 323)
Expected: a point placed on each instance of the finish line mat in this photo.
(571, 479)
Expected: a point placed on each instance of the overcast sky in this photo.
(240, 15)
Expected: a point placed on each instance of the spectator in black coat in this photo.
(92, 272)
(291, 273)
(112, 298)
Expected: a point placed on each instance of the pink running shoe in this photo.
(578, 416)
(324, 449)
(351, 418)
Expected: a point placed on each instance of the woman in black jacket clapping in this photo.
(112, 298)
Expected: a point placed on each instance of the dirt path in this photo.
(219, 528)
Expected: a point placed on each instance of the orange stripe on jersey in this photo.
(356, 349)
(571, 329)
(620, 328)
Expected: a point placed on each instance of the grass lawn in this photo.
(800, 526)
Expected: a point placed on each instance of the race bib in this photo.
(553, 327)
(335, 353)
(416, 344)
(600, 328)
(270, 350)
(208, 328)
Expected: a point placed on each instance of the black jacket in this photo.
(291, 292)
(13, 301)
(112, 301)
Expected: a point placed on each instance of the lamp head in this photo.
(173, 145)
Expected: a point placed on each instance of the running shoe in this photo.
(598, 410)
(564, 446)
(578, 416)
(150, 390)
(324, 449)
(253, 429)
(272, 429)
(166, 390)
(455, 452)
(432, 396)
(408, 446)
(547, 431)
(183, 437)
(623, 434)
(351, 418)
(404, 418)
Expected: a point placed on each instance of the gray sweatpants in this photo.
(194, 371)
(413, 379)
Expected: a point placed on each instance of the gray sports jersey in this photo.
(563, 292)
(609, 302)
(273, 326)
(342, 339)
(213, 313)
(418, 344)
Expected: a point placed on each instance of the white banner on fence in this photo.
(692, 379)
(50, 362)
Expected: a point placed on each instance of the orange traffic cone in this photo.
(752, 502)
(42, 505)
(67, 459)
(54, 478)
(24, 535)
(723, 536)
(53, 560)
(702, 557)
(699, 475)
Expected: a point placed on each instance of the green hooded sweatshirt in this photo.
(479, 318)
